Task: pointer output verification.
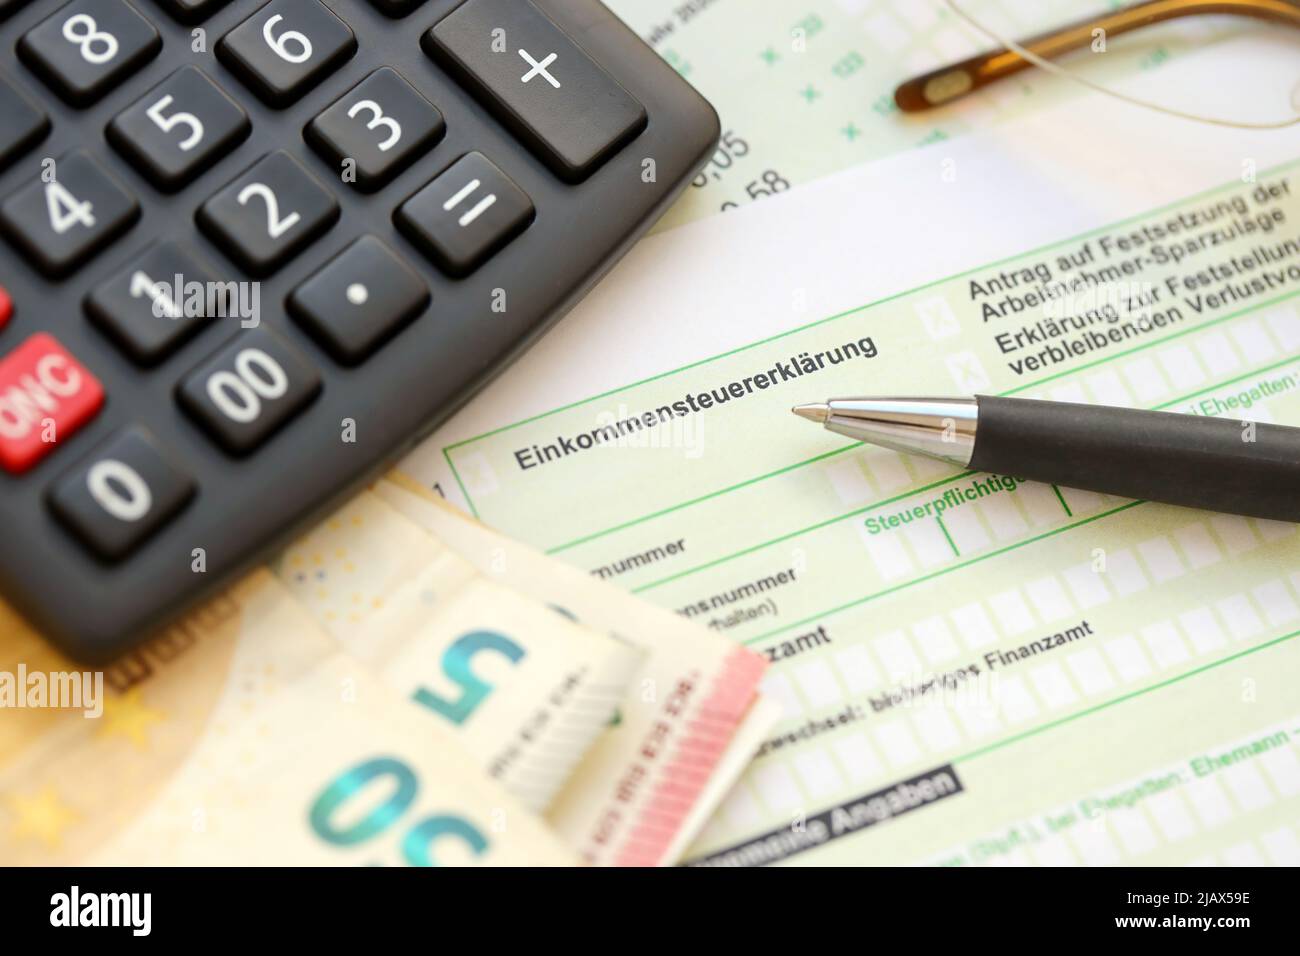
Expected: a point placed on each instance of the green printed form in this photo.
(974, 669)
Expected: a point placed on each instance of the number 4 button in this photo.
(269, 214)
(61, 223)
(182, 127)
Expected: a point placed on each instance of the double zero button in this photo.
(249, 389)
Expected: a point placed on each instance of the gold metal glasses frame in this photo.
(952, 82)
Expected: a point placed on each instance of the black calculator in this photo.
(254, 251)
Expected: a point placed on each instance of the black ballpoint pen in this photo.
(1217, 464)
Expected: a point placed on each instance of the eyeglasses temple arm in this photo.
(952, 82)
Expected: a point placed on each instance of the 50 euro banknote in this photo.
(689, 719)
(525, 690)
(241, 736)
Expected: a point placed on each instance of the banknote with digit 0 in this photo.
(239, 736)
(686, 722)
(524, 689)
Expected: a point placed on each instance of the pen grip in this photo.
(1216, 464)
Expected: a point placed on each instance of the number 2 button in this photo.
(182, 127)
(269, 214)
(251, 387)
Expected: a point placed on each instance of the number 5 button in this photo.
(121, 493)
(251, 387)
(266, 216)
(181, 128)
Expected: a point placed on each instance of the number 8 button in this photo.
(88, 47)
(251, 387)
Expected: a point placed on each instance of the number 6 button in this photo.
(182, 127)
(266, 216)
(121, 493)
(249, 389)
(286, 48)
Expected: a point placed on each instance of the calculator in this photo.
(254, 251)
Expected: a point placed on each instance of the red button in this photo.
(45, 396)
(6, 307)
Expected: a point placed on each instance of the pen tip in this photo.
(814, 413)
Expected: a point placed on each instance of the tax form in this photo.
(973, 669)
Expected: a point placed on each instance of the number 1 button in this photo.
(269, 214)
(182, 127)
(286, 48)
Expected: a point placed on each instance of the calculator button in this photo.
(382, 125)
(286, 48)
(359, 300)
(269, 214)
(191, 11)
(22, 123)
(181, 128)
(156, 303)
(249, 389)
(6, 306)
(88, 47)
(538, 82)
(465, 215)
(45, 396)
(62, 223)
(123, 492)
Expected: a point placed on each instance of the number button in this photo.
(286, 48)
(46, 395)
(539, 82)
(359, 300)
(269, 214)
(183, 126)
(88, 47)
(250, 388)
(123, 492)
(465, 215)
(158, 302)
(62, 223)
(22, 123)
(382, 124)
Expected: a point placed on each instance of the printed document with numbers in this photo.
(973, 669)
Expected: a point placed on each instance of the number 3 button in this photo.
(383, 125)
(181, 128)
(249, 389)
(266, 216)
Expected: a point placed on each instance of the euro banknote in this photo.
(686, 722)
(244, 736)
(524, 689)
